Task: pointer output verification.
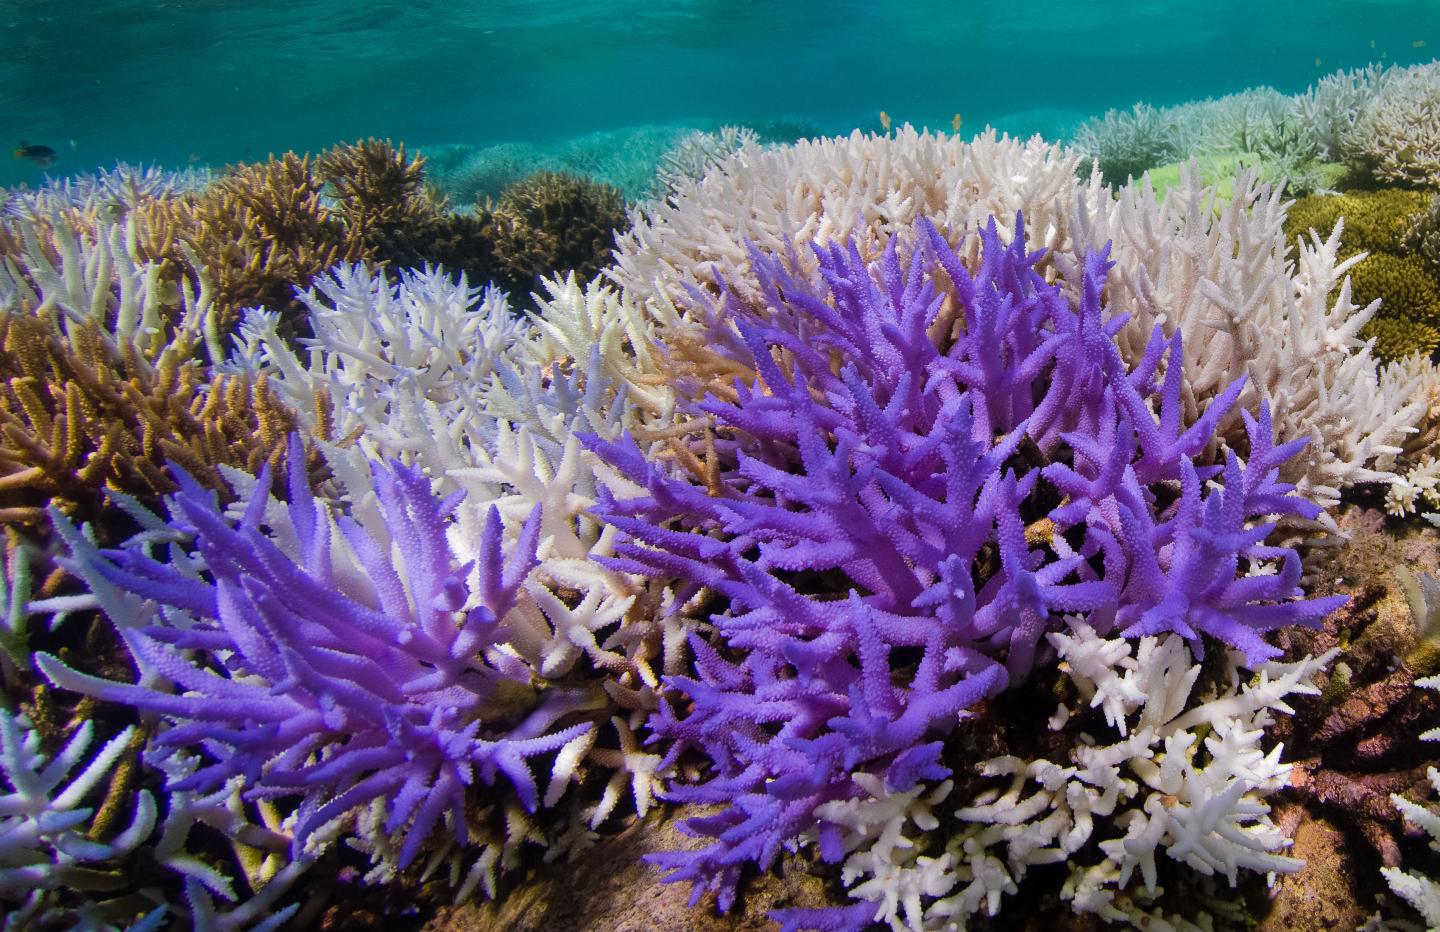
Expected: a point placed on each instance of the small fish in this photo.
(1418, 44)
(955, 122)
(1317, 61)
(1372, 43)
(885, 120)
(43, 156)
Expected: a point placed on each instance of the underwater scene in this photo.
(757, 465)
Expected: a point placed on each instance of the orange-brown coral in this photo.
(79, 414)
(253, 235)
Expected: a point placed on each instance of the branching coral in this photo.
(44, 845)
(695, 154)
(1245, 299)
(1423, 237)
(1183, 782)
(553, 223)
(429, 370)
(252, 236)
(341, 664)
(381, 194)
(916, 486)
(1397, 135)
(100, 388)
(1379, 224)
(1126, 143)
(1219, 272)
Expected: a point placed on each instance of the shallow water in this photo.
(215, 81)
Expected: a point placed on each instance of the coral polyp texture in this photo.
(337, 664)
(921, 472)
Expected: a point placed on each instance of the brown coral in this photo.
(253, 235)
(79, 414)
(382, 195)
(552, 224)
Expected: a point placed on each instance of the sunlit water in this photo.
(214, 81)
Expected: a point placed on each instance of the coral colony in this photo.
(950, 521)
(1023, 426)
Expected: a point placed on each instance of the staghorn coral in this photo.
(45, 845)
(496, 419)
(382, 195)
(253, 235)
(1124, 144)
(342, 664)
(1220, 272)
(695, 154)
(1327, 110)
(1423, 237)
(1397, 135)
(99, 388)
(1224, 276)
(1178, 793)
(552, 223)
(895, 520)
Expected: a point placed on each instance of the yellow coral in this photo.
(1398, 337)
(1375, 221)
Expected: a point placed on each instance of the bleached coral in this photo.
(44, 822)
(1216, 269)
(1328, 110)
(1124, 143)
(382, 348)
(870, 186)
(1415, 888)
(695, 154)
(1184, 779)
(1397, 135)
(1220, 272)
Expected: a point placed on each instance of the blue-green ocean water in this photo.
(216, 81)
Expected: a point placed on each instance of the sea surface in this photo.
(180, 82)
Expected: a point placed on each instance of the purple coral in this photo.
(340, 670)
(931, 468)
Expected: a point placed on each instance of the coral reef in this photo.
(382, 195)
(905, 484)
(695, 154)
(1124, 144)
(101, 381)
(252, 235)
(348, 675)
(1222, 274)
(1423, 237)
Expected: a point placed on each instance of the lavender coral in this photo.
(338, 663)
(930, 468)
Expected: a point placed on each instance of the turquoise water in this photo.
(214, 81)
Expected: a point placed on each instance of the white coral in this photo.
(1187, 781)
(43, 841)
(1415, 888)
(1397, 135)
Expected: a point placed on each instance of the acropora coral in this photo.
(913, 486)
(552, 223)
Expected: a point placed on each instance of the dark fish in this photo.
(43, 156)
